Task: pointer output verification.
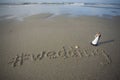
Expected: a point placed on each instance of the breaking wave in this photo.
(97, 5)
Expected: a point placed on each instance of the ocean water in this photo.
(20, 10)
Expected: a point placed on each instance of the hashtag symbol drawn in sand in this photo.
(18, 60)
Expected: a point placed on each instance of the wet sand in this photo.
(48, 47)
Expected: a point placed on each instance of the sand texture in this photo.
(48, 47)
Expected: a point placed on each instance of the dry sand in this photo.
(47, 47)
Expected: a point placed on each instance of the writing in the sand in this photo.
(64, 52)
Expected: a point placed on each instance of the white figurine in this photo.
(96, 40)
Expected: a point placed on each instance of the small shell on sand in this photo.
(76, 46)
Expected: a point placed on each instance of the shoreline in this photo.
(51, 15)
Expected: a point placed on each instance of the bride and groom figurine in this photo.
(96, 40)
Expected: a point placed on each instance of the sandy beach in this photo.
(48, 47)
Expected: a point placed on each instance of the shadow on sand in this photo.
(105, 42)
